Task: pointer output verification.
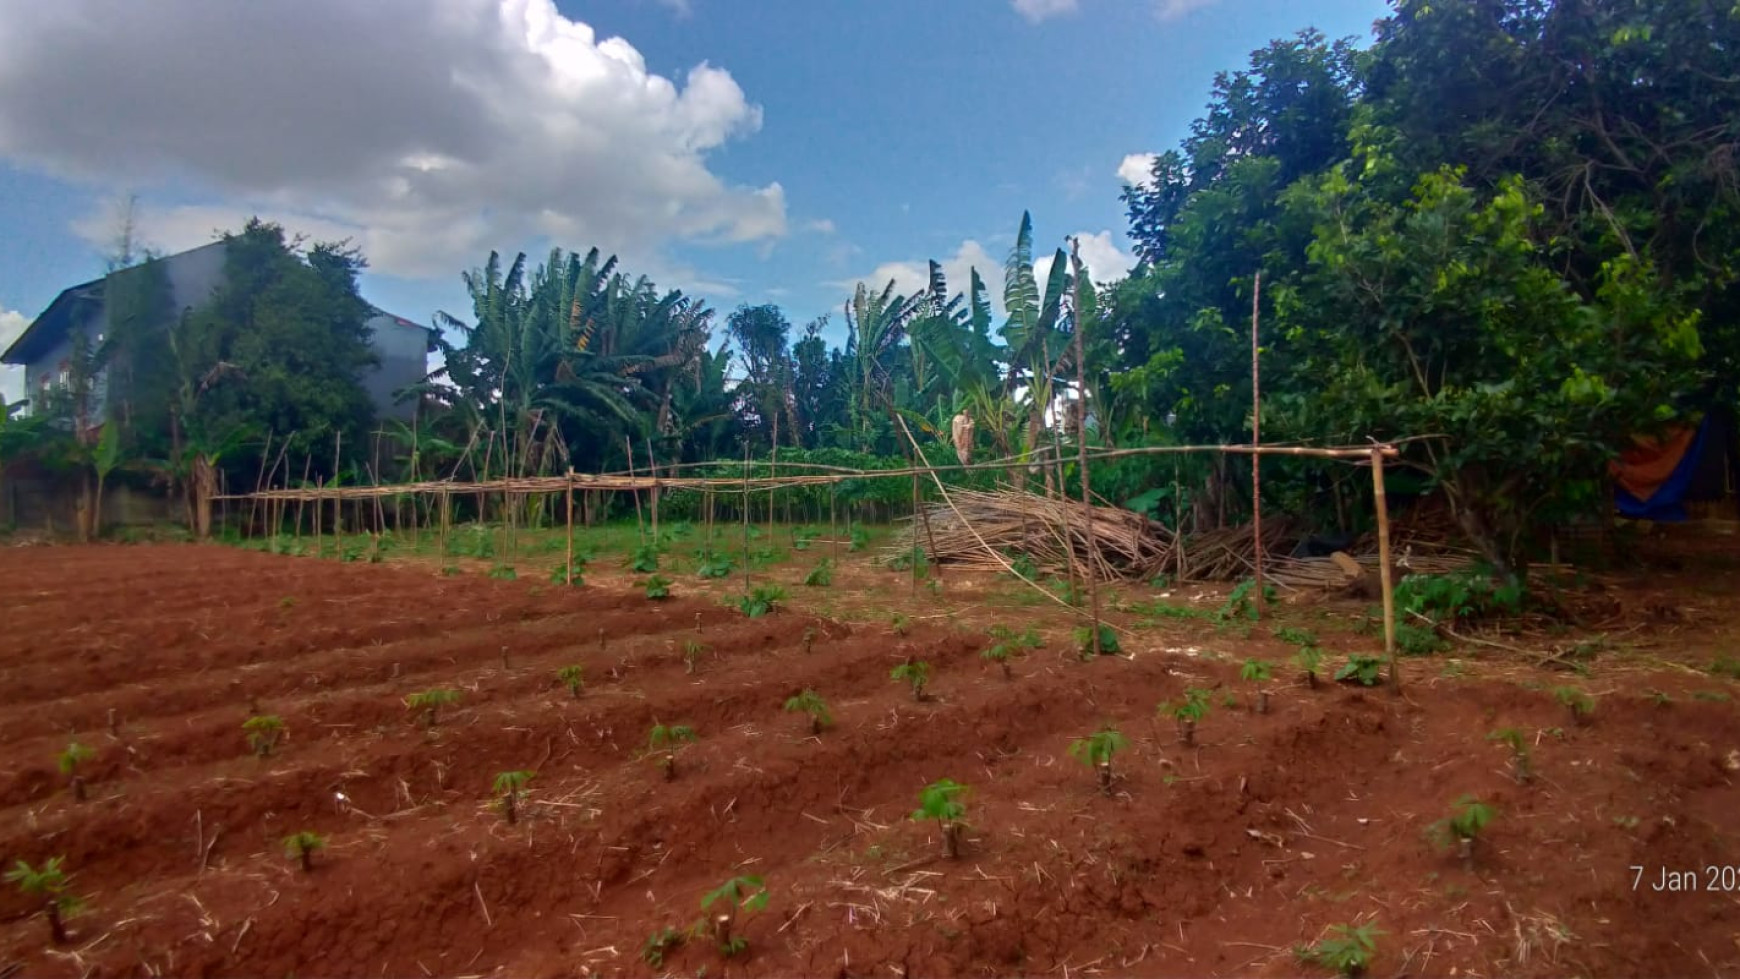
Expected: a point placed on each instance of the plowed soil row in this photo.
(1214, 859)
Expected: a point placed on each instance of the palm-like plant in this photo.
(47, 883)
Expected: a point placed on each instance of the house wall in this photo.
(404, 353)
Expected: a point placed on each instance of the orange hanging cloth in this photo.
(1642, 469)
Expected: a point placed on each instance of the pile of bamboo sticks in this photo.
(1053, 534)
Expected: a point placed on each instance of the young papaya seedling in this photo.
(809, 702)
(75, 755)
(761, 600)
(430, 703)
(559, 575)
(1468, 818)
(899, 623)
(645, 559)
(667, 739)
(1096, 751)
(573, 677)
(735, 896)
(1520, 765)
(692, 651)
(944, 802)
(1009, 644)
(48, 885)
(511, 787)
(1345, 949)
(809, 639)
(263, 731)
(1580, 704)
(1367, 671)
(657, 587)
(821, 576)
(1258, 673)
(1310, 661)
(915, 673)
(1187, 712)
(300, 847)
(1084, 641)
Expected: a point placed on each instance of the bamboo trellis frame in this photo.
(1374, 455)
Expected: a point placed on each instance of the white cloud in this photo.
(11, 378)
(682, 8)
(1174, 9)
(1137, 169)
(1105, 261)
(1038, 10)
(428, 130)
(820, 226)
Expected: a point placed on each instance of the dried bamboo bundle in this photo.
(1057, 536)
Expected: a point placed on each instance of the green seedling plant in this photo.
(559, 575)
(1096, 751)
(48, 885)
(1580, 704)
(1346, 950)
(711, 565)
(809, 639)
(1084, 641)
(511, 787)
(1367, 671)
(1009, 644)
(944, 802)
(760, 600)
(1188, 712)
(1520, 764)
(664, 740)
(858, 540)
(900, 624)
(1468, 818)
(430, 702)
(692, 651)
(263, 732)
(735, 896)
(503, 572)
(573, 677)
(821, 576)
(1310, 661)
(645, 559)
(811, 703)
(69, 760)
(915, 673)
(657, 587)
(1258, 673)
(300, 847)
(658, 945)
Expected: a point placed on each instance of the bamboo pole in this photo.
(653, 471)
(445, 517)
(745, 509)
(914, 557)
(1256, 460)
(639, 521)
(260, 479)
(337, 514)
(1093, 577)
(319, 547)
(570, 579)
(1381, 503)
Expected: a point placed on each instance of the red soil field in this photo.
(1210, 860)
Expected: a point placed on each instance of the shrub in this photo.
(573, 677)
(430, 703)
(1441, 598)
(300, 846)
(811, 703)
(859, 539)
(761, 600)
(915, 673)
(69, 760)
(667, 739)
(1096, 751)
(1468, 817)
(944, 802)
(511, 786)
(263, 732)
(657, 587)
(1346, 949)
(1084, 640)
(1258, 673)
(47, 884)
(1364, 670)
(736, 895)
(1187, 712)
(645, 559)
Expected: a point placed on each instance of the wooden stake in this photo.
(570, 580)
(746, 517)
(639, 521)
(1382, 505)
(445, 517)
(337, 513)
(1256, 460)
(653, 470)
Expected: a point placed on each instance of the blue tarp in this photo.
(1667, 503)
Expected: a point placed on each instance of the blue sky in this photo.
(775, 151)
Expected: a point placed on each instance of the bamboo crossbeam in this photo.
(819, 475)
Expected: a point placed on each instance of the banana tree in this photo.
(1037, 345)
(876, 323)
